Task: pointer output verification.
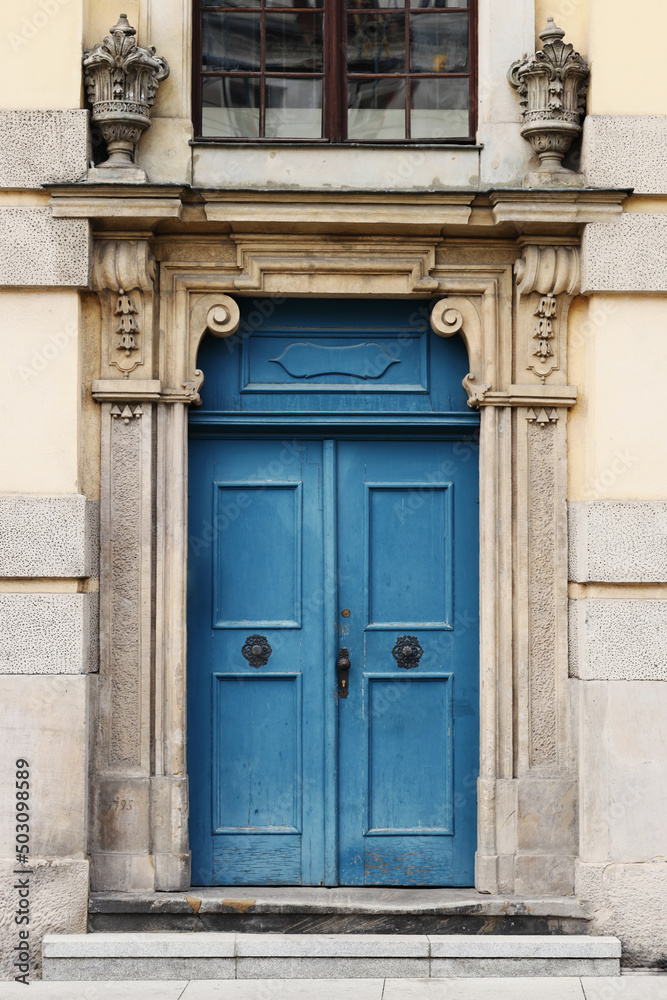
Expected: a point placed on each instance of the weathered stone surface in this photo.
(630, 901)
(622, 771)
(332, 945)
(140, 946)
(547, 815)
(618, 541)
(331, 968)
(618, 639)
(90, 969)
(38, 250)
(58, 904)
(42, 147)
(480, 967)
(630, 256)
(488, 946)
(43, 720)
(48, 536)
(620, 151)
(544, 873)
(48, 633)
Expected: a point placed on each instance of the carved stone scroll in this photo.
(217, 314)
(123, 275)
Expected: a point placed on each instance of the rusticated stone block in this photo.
(37, 250)
(618, 541)
(619, 151)
(618, 640)
(630, 256)
(48, 536)
(41, 147)
(48, 633)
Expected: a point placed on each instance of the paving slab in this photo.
(626, 988)
(139, 945)
(286, 989)
(483, 989)
(40, 990)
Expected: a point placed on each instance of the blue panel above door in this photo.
(333, 355)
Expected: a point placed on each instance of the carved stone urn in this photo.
(552, 85)
(121, 80)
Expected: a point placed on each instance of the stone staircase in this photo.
(213, 955)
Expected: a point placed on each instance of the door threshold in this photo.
(340, 910)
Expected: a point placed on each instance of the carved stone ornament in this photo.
(552, 85)
(123, 274)
(121, 80)
(547, 279)
(407, 652)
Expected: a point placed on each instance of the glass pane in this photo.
(293, 109)
(231, 42)
(230, 107)
(294, 3)
(374, 4)
(438, 3)
(375, 43)
(233, 3)
(439, 43)
(439, 108)
(376, 109)
(294, 43)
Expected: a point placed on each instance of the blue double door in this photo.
(304, 772)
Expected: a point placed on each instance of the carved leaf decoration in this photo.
(306, 360)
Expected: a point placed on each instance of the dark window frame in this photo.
(335, 78)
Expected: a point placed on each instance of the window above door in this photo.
(332, 71)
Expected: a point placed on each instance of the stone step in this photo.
(324, 956)
(342, 910)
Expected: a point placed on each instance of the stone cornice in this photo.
(493, 213)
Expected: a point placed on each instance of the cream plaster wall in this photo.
(618, 358)
(625, 37)
(39, 407)
(40, 54)
(573, 16)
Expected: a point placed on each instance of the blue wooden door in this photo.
(256, 684)
(408, 729)
(298, 547)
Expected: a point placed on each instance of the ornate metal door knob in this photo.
(256, 650)
(407, 652)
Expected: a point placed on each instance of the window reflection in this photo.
(405, 65)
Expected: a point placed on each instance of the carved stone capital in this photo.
(547, 279)
(123, 273)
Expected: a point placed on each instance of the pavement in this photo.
(626, 987)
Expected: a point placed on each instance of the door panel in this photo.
(408, 734)
(255, 732)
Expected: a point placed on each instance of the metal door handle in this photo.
(343, 666)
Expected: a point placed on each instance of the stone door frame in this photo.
(513, 317)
